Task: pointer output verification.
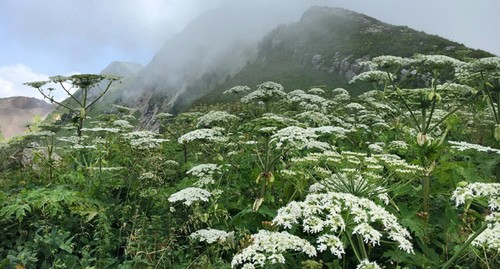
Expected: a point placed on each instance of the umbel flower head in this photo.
(211, 235)
(190, 195)
(211, 135)
(268, 248)
(489, 238)
(326, 214)
(267, 91)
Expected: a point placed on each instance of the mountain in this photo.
(246, 46)
(16, 112)
(123, 69)
(326, 47)
(217, 43)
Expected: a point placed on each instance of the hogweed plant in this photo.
(485, 75)
(333, 179)
(90, 88)
(433, 73)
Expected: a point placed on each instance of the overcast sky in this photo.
(41, 38)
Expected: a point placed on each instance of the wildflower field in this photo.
(405, 175)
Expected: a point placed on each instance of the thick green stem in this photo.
(353, 247)
(464, 246)
(431, 114)
(362, 247)
(426, 193)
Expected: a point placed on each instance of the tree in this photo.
(86, 84)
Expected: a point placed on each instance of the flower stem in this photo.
(464, 246)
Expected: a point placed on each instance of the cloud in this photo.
(13, 77)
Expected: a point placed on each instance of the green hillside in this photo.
(325, 48)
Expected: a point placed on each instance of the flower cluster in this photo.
(143, 140)
(123, 124)
(211, 236)
(237, 89)
(437, 60)
(463, 146)
(268, 248)
(366, 264)
(489, 238)
(313, 118)
(212, 135)
(266, 92)
(307, 101)
(338, 91)
(316, 91)
(389, 61)
(101, 130)
(214, 117)
(293, 136)
(190, 195)
(327, 214)
(475, 190)
(372, 76)
(204, 173)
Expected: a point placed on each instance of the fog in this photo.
(221, 41)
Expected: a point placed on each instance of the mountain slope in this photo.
(16, 112)
(216, 51)
(326, 47)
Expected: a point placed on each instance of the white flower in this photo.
(437, 60)
(372, 76)
(324, 213)
(489, 238)
(190, 195)
(269, 247)
(369, 234)
(316, 118)
(366, 264)
(337, 91)
(212, 135)
(293, 136)
(237, 89)
(266, 92)
(375, 148)
(388, 61)
(204, 173)
(123, 124)
(211, 235)
(474, 190)
(143, 139)
(214, 117)
(337, 131)
(316, 91)
(462, 146)
(332, 242)
(398, 144)
(355, 106)
(101, 129)
(206, 169)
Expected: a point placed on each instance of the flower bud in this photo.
(423, 139)
(257, 204)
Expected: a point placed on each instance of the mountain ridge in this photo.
(324, 46)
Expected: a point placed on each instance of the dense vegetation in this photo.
(403, 176)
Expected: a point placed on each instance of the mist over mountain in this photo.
(123, 69)
(247, 44)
